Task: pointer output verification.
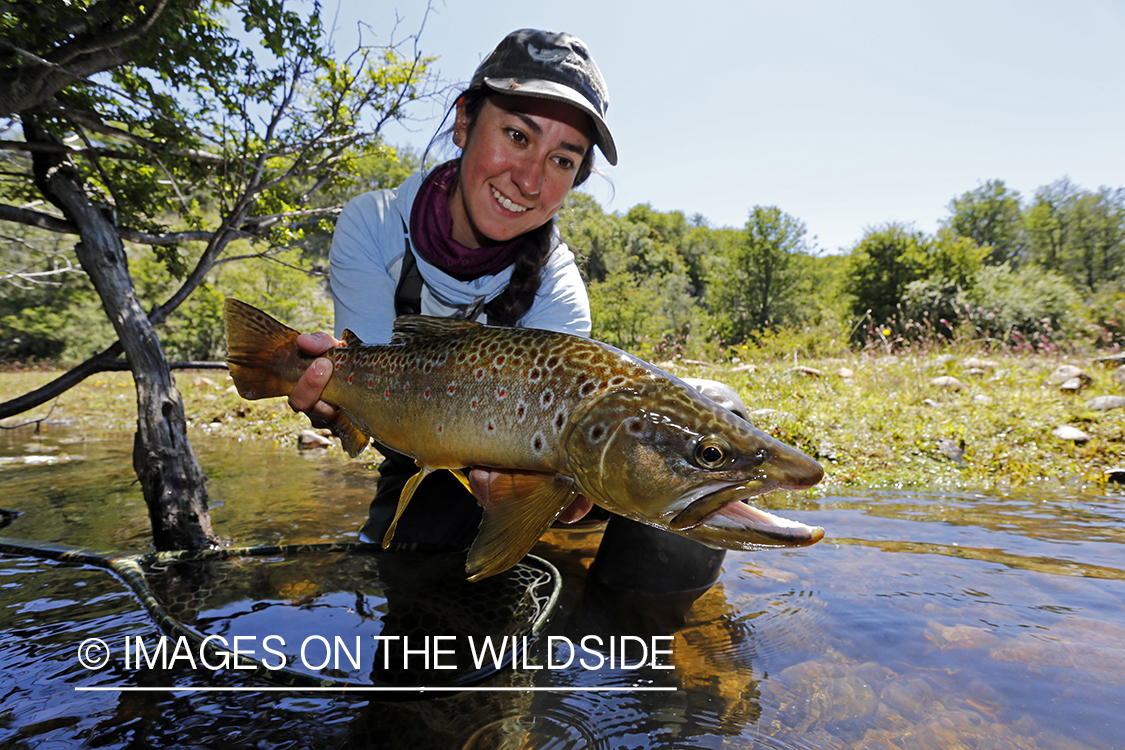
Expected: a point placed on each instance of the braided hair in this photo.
(516, 299)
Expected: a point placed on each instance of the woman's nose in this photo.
(528, 176)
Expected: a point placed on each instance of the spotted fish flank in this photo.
(567, 415)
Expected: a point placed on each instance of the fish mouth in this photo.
(724, 519)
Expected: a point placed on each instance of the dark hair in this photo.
(516, 299)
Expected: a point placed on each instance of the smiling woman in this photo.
(473, 238)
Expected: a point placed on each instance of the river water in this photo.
(925, 619)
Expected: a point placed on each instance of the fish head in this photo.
(661, 453)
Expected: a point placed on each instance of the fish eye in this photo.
(711, 453)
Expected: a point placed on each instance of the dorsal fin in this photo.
(410, 329)
(350, 338)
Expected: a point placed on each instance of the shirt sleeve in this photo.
(561, 304)
(361, 258)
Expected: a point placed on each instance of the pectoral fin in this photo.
(520, 507)
(404, 500)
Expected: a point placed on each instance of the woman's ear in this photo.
(461, 124)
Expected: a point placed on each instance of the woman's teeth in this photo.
(517, 208)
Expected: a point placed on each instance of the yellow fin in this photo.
(352, 439)
(521, 505)
(410, 329)
(404, 500)
(460, 474)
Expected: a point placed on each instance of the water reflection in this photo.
(925, 620)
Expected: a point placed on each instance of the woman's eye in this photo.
(564, 162)
(517, 135)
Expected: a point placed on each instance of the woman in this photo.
(473, 238)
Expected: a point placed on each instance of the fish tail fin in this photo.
(262, 353)
(520, 508)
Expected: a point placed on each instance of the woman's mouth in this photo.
(506, 203)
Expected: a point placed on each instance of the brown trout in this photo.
(568, 415)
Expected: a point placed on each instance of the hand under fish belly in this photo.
(561, 416)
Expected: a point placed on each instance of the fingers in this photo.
(306, 393)
(576, 510)
(317, 343)
(480, 483)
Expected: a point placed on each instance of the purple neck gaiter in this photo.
(431, 229)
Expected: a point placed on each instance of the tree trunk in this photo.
(174, 487)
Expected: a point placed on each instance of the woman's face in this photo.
(517, 166)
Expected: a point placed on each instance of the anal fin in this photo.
(352, 439)
(521, 506)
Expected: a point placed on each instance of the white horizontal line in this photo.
(363, 689)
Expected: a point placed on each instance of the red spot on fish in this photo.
(501, 393)
(387, 394)
(351, 378)
(499, 361)
(426, 395)
(371, 382)
(473, 404)
(480, 374)
(406, 387)
(452, 388)
(441, 428)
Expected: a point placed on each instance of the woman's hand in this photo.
(306, 394)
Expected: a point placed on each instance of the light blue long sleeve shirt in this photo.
(368, 246)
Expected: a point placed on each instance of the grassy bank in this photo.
(873, 420)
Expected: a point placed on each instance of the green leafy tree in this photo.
(880, 267)
(757, 284)
(1078, 233)
(187, 142)
(992, 217)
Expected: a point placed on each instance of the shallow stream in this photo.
(925, 619)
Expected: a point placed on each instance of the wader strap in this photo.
(408, 293)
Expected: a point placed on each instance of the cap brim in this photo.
(542, 89)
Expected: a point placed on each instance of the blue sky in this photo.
(844, 114)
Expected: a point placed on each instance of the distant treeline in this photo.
(1014, 271)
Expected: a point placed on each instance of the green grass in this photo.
(884, 426)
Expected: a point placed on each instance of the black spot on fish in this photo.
(560, 420)
(588, 388)
(553, 362)
(538, 443)
(547, 397)
(597, 433)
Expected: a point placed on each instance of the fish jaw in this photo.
(725, 519)
(648, 468)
